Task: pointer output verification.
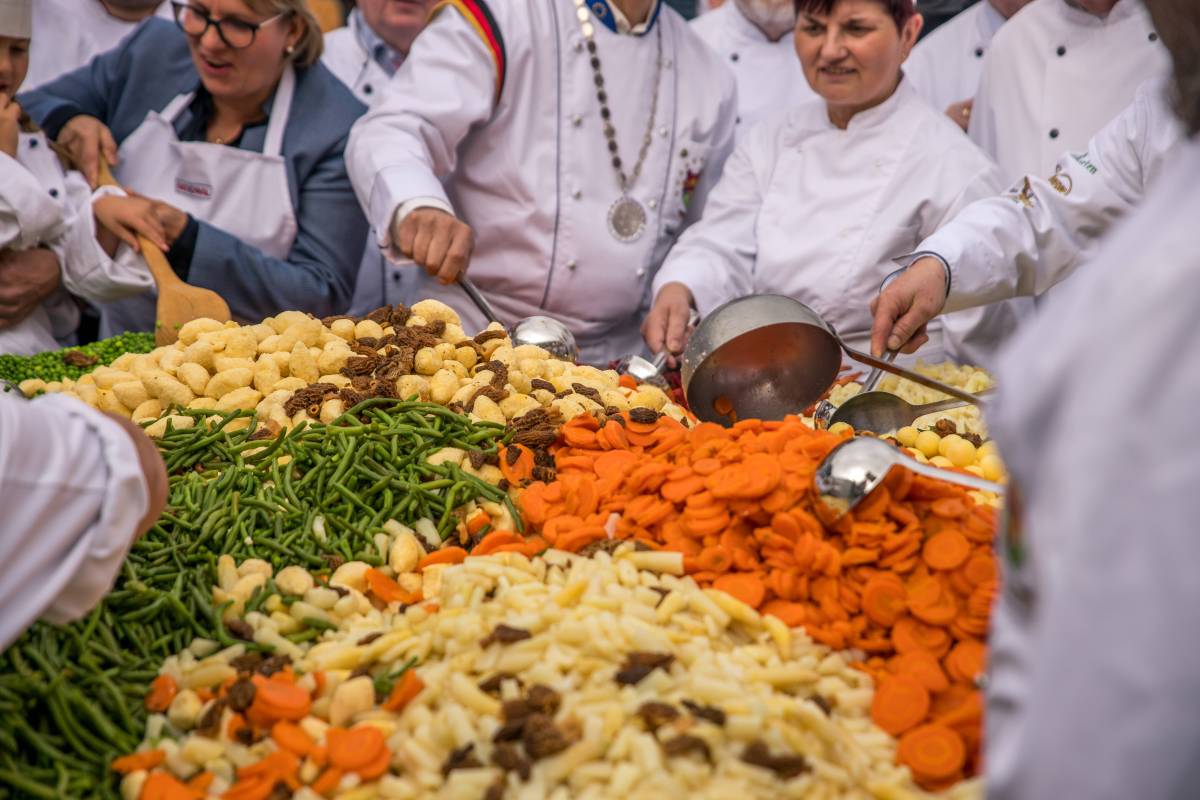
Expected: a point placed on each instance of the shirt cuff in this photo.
(108, 191)
(907, 261)
(181, 252)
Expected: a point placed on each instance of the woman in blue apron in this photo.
(226, 122)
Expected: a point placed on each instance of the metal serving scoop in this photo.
(544, 332)
(765, 356)
(644, 371)
(881, 412)
(857, 467)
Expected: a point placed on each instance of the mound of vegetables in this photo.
(71, 697)
(73, 362)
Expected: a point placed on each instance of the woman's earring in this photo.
(291, 48)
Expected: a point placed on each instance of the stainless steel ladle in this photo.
(544, 332)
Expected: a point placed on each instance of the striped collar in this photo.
(611, 17)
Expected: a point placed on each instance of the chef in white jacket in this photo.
(815, 203)
(577, 141)
(1056, 74)
(81, 30)
(1029, 239)
(946, 65)
(753, 37)
(364, 55)
(46, 215)
(78, 487)
(1094, 676)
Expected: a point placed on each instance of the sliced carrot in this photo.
(258, 787)
(447, 555)
(408, 687)
(164, 786)
(947, 550)
(932, 751)
(201, 781)
(580, 538)
(388, 590)
(327, 781)
(900, 703)
(615, 462)
(291, 737)
(969, 659)
(350, 749)
(791, 614)
(146, 759)
(745, 587)
(377, 767)
(162, 691)
(922, 665)
(884, 599)
(276, 699)
(516, 468)
(494, 539)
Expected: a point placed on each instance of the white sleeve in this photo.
(28, 214)
(715, 257)
(722, 148)
(402, 148)
(1025, 241)
(73, 491)
(87, 271)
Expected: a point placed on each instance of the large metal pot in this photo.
(766, 356)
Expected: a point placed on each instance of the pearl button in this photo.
(577, 120)
(572, 264)
(653, 204)
(576, 193)
(641, 273)
(663, 132)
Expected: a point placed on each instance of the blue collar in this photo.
(603, 12)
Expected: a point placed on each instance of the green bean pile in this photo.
(71, 696)
(52, 366)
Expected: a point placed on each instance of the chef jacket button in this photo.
(1154, 37)
(663, 131)
(396, 276)
(1062, 51)
(734, 57)
(367, 88)
(641, 272)
(979, 52)
(737, 121)
(577, 120)
(1054, 133)
(572, 264)
(33, 142)
(578, 45)
(653, 204)
(668, 63)
(576, 193)
(54, 192)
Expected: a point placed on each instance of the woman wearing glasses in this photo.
(229, 134)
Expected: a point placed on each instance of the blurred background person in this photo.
(81, 30)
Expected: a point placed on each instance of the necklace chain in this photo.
(610, 133)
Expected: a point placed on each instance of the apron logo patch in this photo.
(200, 191)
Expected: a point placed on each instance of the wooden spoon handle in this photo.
(160, 268)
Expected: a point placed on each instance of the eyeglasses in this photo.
(236, 34)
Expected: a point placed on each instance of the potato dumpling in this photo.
(435, 311)
(227, 381)
(191, 331)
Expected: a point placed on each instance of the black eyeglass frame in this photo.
(251, 27)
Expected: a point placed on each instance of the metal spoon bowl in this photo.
(544, 332)
(858, 466)
(882, 412)
(643, 371)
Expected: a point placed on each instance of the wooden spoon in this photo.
(178, 302)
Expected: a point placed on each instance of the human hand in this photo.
(130, 217)
(666, 326)
(10, 125)
(905, 306)
(173, 220)
(438, 242)
(26, 278)
(960, 113)
(87, 139)
(154, 470)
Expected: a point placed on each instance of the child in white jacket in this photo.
(48, 206)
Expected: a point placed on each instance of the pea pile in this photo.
(72, 362)
(71, 696)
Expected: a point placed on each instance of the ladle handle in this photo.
(937, 473)
(477, 298)
(875, 374)
(913, 376)
(946, 405)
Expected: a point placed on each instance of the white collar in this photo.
(623, 26)
(744, 28)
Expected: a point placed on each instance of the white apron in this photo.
(238, 191)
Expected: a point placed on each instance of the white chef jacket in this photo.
(945, 66)
(527, 166)
(1094, 669)
(346, 58)
(41, 204)
(68, 33)
(769, 76)
(73, 492)
(817, 213)
(1055, 75)
(1024, 242)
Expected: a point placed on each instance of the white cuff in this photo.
(108, 191)
(907, 261)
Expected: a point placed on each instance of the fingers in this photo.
(458, 254)
(654, 328)
(886, 309)
(87, 155)
(677, 320)
(108, 145)
(420, 248)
